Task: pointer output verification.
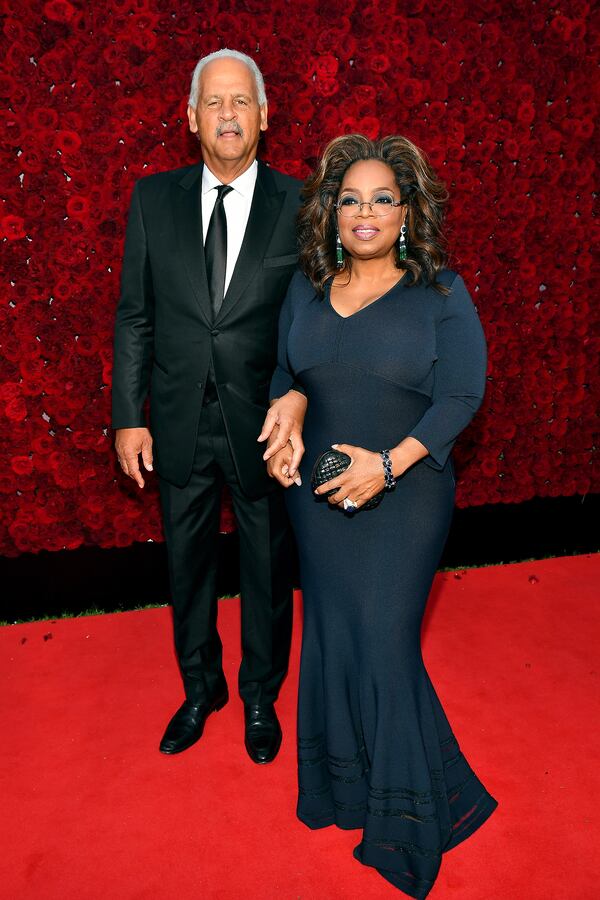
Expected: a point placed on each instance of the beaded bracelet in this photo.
(390, 481)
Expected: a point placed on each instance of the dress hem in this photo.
(482, 816)
(327, 822)
(418, 888)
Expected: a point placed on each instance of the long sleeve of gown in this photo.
(283, 379)
(459, 376)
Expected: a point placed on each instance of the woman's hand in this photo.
(362, 479)
(280, 461)
(283, 428)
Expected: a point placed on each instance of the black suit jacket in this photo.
(165, 336)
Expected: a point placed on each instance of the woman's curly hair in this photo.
(423, 194)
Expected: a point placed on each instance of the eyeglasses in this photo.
(380, 205)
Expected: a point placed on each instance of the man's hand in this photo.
(129, 443)
(288, 413)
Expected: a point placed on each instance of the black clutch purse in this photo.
(329, 465)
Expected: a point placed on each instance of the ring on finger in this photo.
(349, 505)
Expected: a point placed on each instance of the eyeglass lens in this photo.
(381, 204)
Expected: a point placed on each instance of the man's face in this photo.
(228, 119)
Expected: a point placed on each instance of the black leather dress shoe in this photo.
(263, 733)
(187, 725)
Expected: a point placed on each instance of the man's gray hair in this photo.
(225, 54)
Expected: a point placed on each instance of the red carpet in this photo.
(91, 810)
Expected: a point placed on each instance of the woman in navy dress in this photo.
(387, 346)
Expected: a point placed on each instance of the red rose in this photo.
(67, 141)
(12, 227)
(60, 11)
(562, 27)
(370, 127)
(411, 91)
(379, 62)
(22, 465)
(452, 71)
(327, 86)
(326, 66)
(16, 409)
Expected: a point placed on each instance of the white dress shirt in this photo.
(237, 210)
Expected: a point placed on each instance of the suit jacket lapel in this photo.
(264, 213)
(187, 209)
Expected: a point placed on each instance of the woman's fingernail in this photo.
(298, 481)
(334, 446)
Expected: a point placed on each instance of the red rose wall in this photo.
(502, 96)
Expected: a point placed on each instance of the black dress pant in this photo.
(191, 523)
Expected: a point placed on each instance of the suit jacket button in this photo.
(215, 332)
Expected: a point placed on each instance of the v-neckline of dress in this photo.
(362, 308)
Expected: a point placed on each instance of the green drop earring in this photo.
(402, 243)
(339, 252)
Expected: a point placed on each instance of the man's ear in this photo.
(264, 117)
(192, 119)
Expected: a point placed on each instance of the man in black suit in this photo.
(209, 252)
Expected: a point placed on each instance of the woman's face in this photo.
(364, 233)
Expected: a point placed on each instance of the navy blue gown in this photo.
(375, 750)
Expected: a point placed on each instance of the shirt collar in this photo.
(243, 184)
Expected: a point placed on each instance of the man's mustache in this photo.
(228, 127)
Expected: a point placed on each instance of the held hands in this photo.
(129, 443)
(283, 429)
(362, 479)
(279, 465)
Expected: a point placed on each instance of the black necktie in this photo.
(215, 250)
